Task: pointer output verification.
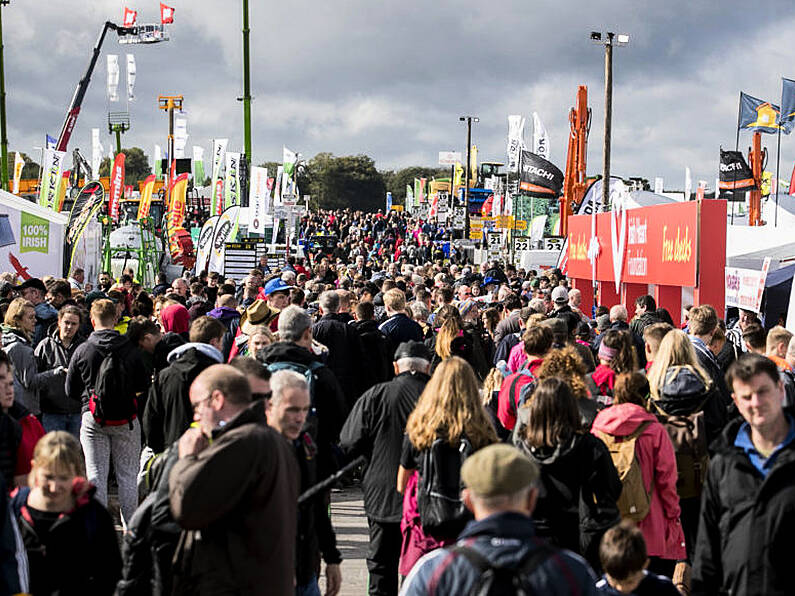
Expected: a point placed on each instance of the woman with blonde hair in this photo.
(683, 393)
(455, 338)
(448, 424)
(17, 332)
(69, 536)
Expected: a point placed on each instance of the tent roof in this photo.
(11, 201)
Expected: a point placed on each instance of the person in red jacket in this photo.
(662, 529)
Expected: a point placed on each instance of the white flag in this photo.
(258, 196)
(180, 137)
(540, 138)
(217, 200)
(688, 184)
(515, 141)
(19, 163)
(130, 77)
(96, 153)
(113, 77)
(658, 186)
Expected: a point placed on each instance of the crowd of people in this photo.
(188, 439)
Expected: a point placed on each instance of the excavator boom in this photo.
(574, 182)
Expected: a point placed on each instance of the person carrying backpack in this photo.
(644, 458)
(616, 355)
(689, 406)
(106, 374)
(499, 553)
(447, 426)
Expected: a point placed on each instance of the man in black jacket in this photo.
(295, 333)
(100, 443)
(377, 350)
(53, 354)
(375, 429)
(745, 531)
(168, 412)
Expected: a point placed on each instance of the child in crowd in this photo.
(622, 553)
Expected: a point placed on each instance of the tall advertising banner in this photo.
(113, 77)
(540, 138)
(205, 243)
(232, 182)
(258, 199)
(51, 177)
(515, 141)
(116, 187)
(198, 166)
(19, 163)
(224, 230)
(87, 203)
(146, 197)
(96, 153)
(176, 213)
(62, 186)
(217, 200)
(158, 162)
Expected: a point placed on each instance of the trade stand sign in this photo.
(649, 245)
(744, 287)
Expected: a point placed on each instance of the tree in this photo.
(396, 181)
(350, 181)
(30, 170)
(136, 166)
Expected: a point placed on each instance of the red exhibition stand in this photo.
(660, 249)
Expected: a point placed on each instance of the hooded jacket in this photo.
(329, 400)
(580, 487)
(747, 522)
(376, 349)
(50, 354)
(654, 452)
(504, 539)
(168, 411)
(241, 494)
(88, 357)
(231, 320)
(79, 554)
(27, 379)
(46, 315)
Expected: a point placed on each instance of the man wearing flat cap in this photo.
(501, 491)
(375, 429)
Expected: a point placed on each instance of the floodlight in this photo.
(622, 39)
(596, 37)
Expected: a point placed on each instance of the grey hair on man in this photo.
(420, 312)
(618, 312)
(412, 356)
(283, 380)
(329, 302)
(293, 322)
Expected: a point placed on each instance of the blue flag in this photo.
(757, 115)
(787, 116)
(51, 143)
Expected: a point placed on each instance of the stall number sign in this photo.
(553, 244)
(495, 240)
(521, 243)
(34, 234)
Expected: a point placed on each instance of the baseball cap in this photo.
(95, 295)
(560, 295)
(33, 282)
(498, 470)
(412, 349)
(277, 284)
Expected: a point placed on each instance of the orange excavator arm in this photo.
(574, 182)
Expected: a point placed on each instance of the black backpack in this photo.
(442, 512)
(112, 401)
(496, 580)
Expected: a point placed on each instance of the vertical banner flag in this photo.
(113, 77)
(180, 137)
(388, 202)
(62, 186)
(116, 187)
(539, 177)
(158, 162)
(458, 180)
(658, 186)
(146, 197)
(409, 198)
(257, 201)
(515, 141)
(232, 182)
(787, 115)
(757, 115)
(175, 219)
(288, 164)
(198, 166)
(130, 77)
(96, 153)
(51, 176)
(19, 163)
(129, 17)
(223, 233)
(205, 243)
(688, 184)
(540, 138)
(166, 14)
(734, 172)
(217, 200)
(423, 181)
(87, 203)
(473, 164)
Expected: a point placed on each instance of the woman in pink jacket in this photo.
(654, 452)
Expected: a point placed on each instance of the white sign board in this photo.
(521, 243)
(449, 158)
(553, 244)
(744, 287)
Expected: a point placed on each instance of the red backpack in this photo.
(512, 395)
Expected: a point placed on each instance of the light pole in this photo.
(469, 120)
(3, 134)
(246, 99)
(608, 39)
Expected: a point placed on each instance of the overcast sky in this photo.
(391, 79)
